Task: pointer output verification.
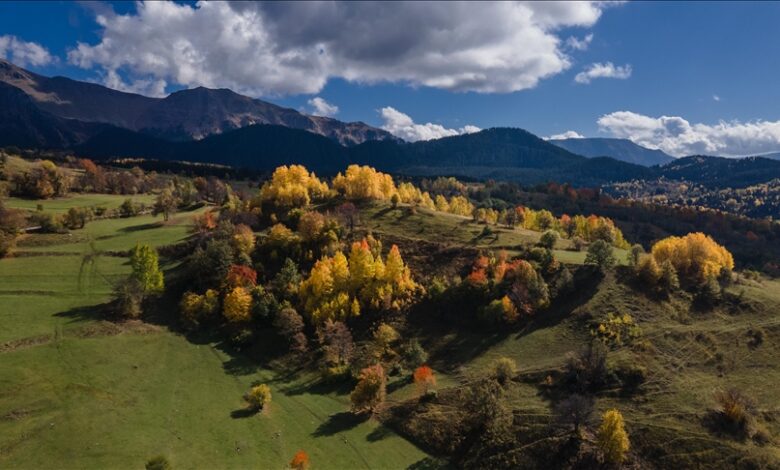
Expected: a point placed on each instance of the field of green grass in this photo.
(62, 204)
(80, 392)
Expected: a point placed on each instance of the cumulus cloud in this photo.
(23, 53)
(677, 136)
(320, 107)
(605, 70)
(401, 125)
(566, 135)
(579, 44)
(148, 87)
(716, 97)
(273, 48)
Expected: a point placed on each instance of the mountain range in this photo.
(220, 126)
(619, 149)
(184, 115)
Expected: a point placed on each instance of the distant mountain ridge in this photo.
(190, 114)
(619, 149)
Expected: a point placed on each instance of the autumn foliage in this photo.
(237, 305)
(695, 256)
(292, 186)
(370, 390)
(339, 287)
(424, 379)
(612, 437)
(300, 461)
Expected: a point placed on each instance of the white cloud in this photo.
(676, 136)
(605, 70)
(579, 44)
(716, 97)
(320, 107)
(23, 53)
(401, 125)
(272, 48)
(148, 87)
(566, 135)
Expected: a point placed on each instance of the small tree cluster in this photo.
(696, 256)
(292, 186)
(339, 287)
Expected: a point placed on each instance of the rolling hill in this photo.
(619, 149)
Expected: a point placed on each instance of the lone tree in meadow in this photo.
(612, 437)
(600, 253)
(300, 461)
(146, 269)
(370, 390)
(424, 379)
(258, 397)
(165, 204)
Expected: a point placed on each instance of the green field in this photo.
(61, 205)
(80, 392)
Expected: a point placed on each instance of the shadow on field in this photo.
(337, 423)
(379, 433)
(90, 312)
(138, 228)
(243, 413)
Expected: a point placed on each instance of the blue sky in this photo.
(703, 76)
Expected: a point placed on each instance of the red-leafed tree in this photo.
(424, 379)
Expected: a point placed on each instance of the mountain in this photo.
(619, 149)
(26, 125)
(721, 171)
(771, 156)
(184, 115)
(500, 153)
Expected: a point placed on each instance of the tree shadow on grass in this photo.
(399, 384)
(339, 422)
(138, 228)
(379, 433)
(430, 463)
(319, 387)
(243, 413)
(85, 313)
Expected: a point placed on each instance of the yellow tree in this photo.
(695, 256)
(612, 437)
(292, 186)
(237, 305)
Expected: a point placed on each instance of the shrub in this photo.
(258, 396)
(587, 370)
(548, 239)
(413, 354)
(300, 461)
(504, 369)
(617, 330)
(424, 379)
(159, 462)
(735, 411)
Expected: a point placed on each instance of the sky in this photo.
(685, 77)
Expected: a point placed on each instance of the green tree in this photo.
(548, 239)
(165, 204)
(600, 253)
(146, 270)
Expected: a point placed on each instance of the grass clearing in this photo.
(62, 204)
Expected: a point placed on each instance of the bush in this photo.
(548, 239)
(735, 411)
(504, 369)
(258, 396)
(612, 437)
(587, 370)
(159, 462)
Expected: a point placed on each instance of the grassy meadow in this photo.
(87, 393)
